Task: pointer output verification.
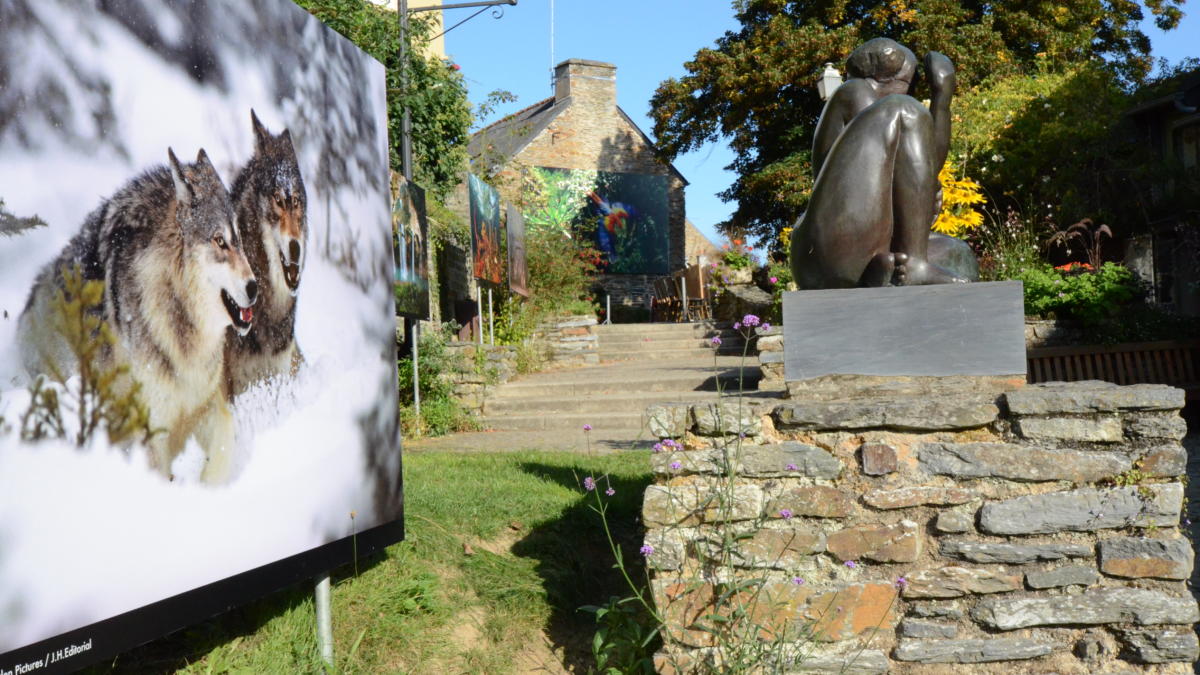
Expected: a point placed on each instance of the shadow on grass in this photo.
(573, 558)
(188, 645)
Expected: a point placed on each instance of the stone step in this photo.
(651, 381)
(616, 354)
(727, 346)
(643, 328)
(597, 441)
(602, 423)
(615, 402)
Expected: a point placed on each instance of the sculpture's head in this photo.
(883, 60)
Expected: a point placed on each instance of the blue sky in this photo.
(648, 41)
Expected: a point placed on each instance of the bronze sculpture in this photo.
(876, 156)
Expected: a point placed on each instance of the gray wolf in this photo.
(175, 278)
(271, 205)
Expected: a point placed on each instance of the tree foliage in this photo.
(755, 88)
(436, 95)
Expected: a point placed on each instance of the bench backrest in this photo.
(1167, 362)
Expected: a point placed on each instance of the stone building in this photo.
(582, 127)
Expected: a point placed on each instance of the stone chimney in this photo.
(592, 83)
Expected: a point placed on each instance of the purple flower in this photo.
(587, 427)
(658, 447)
(672, 443)
(851, 564)
(610, 491)
(799, 581)
(901, 583)
(785, 513)
(791, 467)
(750, 320)
(716, 340)
(646, 549)
(774, 280)
(765, 327)
(675, 465)
(737, 325)
(589, 483)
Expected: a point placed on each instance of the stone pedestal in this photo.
(1028, 530)
(947, 330)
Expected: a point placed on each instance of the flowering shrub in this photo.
(737, 255)
(959, 196)
(1089, 295)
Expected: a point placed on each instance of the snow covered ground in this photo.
(89, 533)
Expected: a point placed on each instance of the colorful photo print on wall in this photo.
(518, 269)
(410, 234)
(624, 214)
(198, 398)
(485, 231)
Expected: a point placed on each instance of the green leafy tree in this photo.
(754, 87)
(436, 95)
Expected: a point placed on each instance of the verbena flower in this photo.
(646, 549)
(672, 443)
(901, 583)
(716, 340)
(774, 280)
(851, 564)
(737, 325)
(675, 465)
(785, 513)
(610, 491)
(799, 581)
(658, 447)
(791, 467)
(587, 427)
(589, 483)
(765, 327)
(750, 320)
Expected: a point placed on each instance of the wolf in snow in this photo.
(175, 279)
(271, 206)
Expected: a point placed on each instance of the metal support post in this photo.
(324, 620)
(479, 315)
(491, 320)
(607, 308)
(416, 351)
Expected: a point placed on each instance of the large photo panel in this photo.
(485, 230)
(197, 337)
(625, 215)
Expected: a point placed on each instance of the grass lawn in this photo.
(501, 552)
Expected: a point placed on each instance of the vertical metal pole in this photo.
(405, 117)
(683, 294)
(479, 313)
(491, 320)
(324, 620)
(607, 308)
(416, 347)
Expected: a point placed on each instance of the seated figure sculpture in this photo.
(876, 155)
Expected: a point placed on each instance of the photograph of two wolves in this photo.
(197, 318)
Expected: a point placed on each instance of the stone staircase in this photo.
(640, 365)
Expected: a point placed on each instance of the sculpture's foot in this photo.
(900, 276)
(879, 271)
(917, 272)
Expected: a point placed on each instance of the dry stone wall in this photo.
(569, 341)
(979, 528)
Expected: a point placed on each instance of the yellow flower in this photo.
(958, 196)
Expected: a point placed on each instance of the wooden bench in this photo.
(1172, 362)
